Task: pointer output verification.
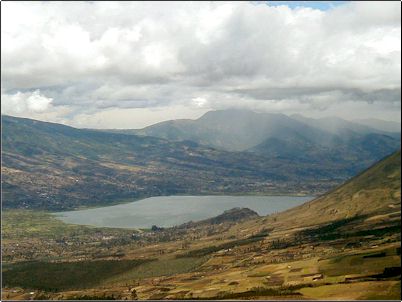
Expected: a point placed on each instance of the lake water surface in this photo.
(167, 211)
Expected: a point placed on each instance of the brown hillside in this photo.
(375, 191)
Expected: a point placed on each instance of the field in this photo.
(64, 275)
(241, 268)
(38, 236)
(20, 224)
(157, 268)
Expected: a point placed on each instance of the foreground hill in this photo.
(344, 245)
(375, 191)
(232, 215)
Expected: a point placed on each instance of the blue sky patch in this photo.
(321, 5)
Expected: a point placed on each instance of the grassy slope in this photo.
(377, 190)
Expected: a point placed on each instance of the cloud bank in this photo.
(74, 62)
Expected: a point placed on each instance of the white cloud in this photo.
(200, 102)
(29, 102)
(94, 56)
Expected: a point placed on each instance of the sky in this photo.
(132, 64)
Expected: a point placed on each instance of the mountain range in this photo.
(57, 167)
(243, 130)
(293, 138)
(378, 124)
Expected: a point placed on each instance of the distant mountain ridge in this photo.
(277, 135)
(380, 124)
(234, 130)
(336, 125)
(242, 130)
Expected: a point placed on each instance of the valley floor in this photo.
(206, 262)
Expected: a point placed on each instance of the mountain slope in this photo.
(380, 124)
(357, 150)
(56, 167)
(337, 125)
(375, 191)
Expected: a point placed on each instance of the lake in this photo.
(167, 211)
